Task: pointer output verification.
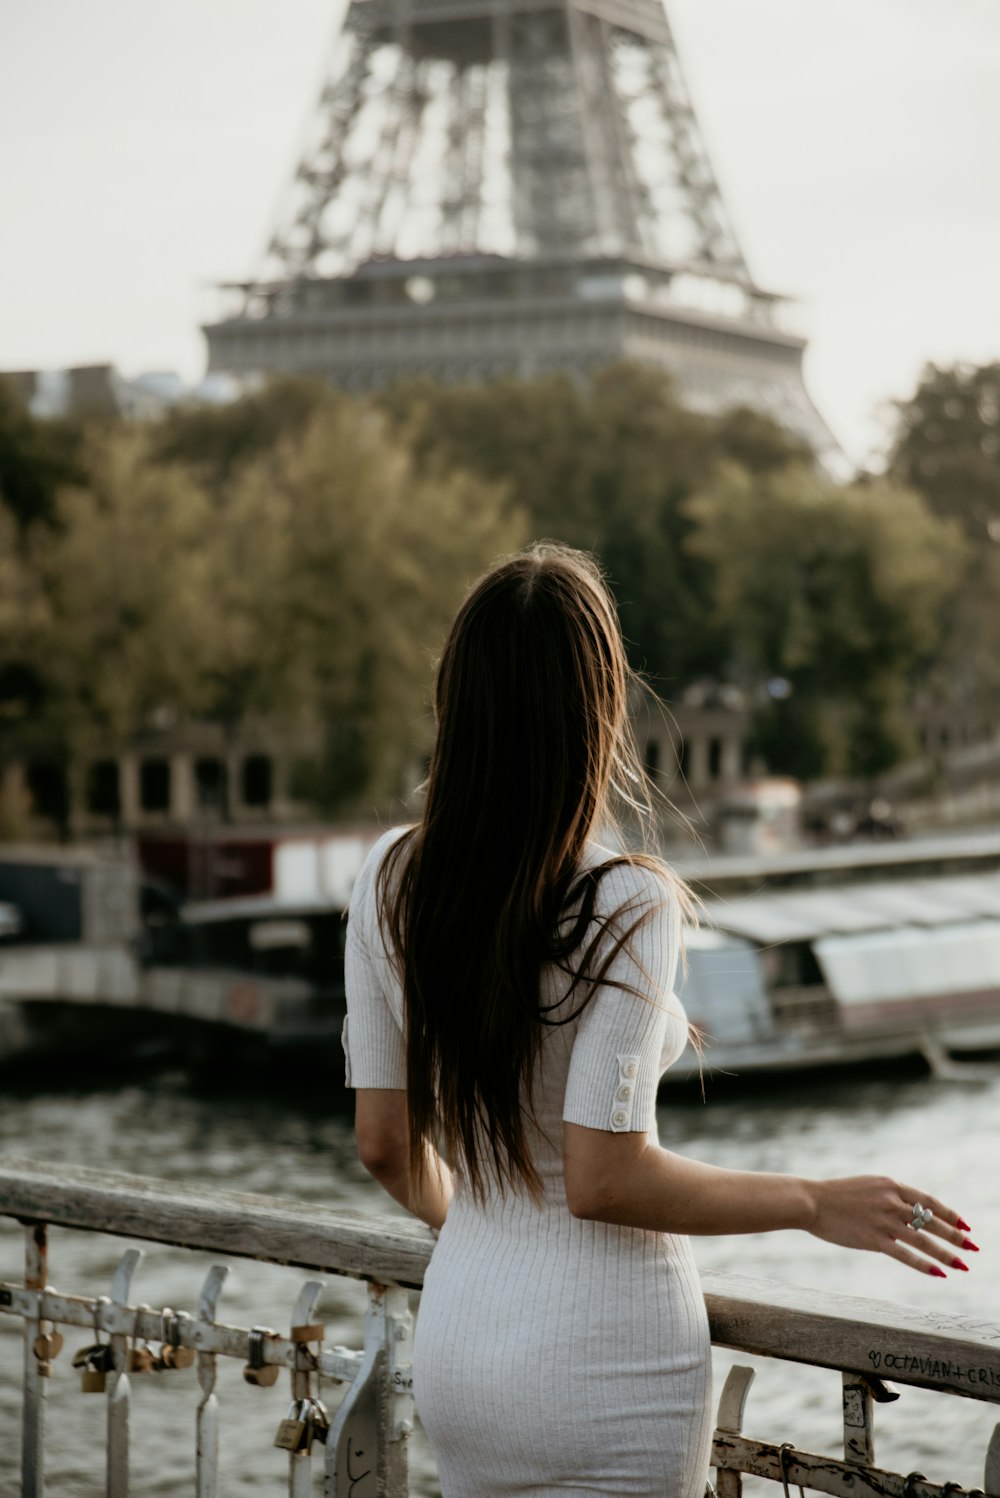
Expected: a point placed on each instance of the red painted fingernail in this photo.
(939, 1272)
(957, 1264)
(964, 1226)
(969, 1244)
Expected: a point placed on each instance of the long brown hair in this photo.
(533, 748)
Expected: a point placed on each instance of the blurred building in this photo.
(170, 776)
(100, 390)
(200, 775)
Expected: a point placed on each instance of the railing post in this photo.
(859, 1427)
(992, 1479)
(207, 1458)
(398, 1417)
(366, 1451)
(119, 1388)
(36, 1268)
(732, 1404)
(300, 1483)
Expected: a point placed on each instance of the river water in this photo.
(940, 1137)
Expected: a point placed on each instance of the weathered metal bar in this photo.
(992, 1476)
(300, 1483)
(207, 1419)
(119, 1389)
(732, 1405)
(397, 1390)
(825, 1474)
(366, 1452)
(145, 1322)
(33, 1416)
(355, 1457)
(859, 1423)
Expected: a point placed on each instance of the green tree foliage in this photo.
(837, 591)
(307, 580)
(947, 445)
(125, 610)
(36, 457)
(22, 613)
(607, 466)
(217, 441)
(297, 556)
(337, 571)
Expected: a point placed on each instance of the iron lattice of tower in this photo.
(498, 187)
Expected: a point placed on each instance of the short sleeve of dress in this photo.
(615, 1063)
(374, 1050)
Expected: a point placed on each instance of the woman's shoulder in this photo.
(631, 889)
(628, 876)
(365, 885)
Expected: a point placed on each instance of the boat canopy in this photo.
(807, 914)
(911, 964)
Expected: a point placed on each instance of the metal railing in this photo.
(363, 1445)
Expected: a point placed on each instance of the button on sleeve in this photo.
(615, 1063)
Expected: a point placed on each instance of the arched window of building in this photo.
(257, 780)
(154, 785)
(48, 789)
(210, 783)
(714, 758)
(104, 788)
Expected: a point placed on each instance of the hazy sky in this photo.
(143, 147)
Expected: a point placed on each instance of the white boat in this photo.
(874, 968)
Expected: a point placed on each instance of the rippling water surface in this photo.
(938, 1137)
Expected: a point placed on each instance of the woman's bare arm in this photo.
(629, 1180)
(383, 1136)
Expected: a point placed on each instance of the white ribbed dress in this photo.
(556, 1357)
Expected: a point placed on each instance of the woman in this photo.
(510, 1000)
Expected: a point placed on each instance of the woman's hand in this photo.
(876, 1213)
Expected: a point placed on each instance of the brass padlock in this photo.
(292, 1430)
(100, 1363)
(141, 1359)
(172, 1354)
(262, 1375)
(315, 1331)
(320, 1421)
(46, 1346)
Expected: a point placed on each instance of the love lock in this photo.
(46, 1346)
(97, 1359)
(256, 1371)
(172, 1353)
(784, 1458)
(308, 1420)
(140, 1358)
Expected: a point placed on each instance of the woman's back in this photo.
(556, 1355)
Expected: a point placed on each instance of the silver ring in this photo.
(921, 1217)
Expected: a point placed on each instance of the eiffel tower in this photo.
(509, 187)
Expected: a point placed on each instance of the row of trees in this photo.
(297, 556)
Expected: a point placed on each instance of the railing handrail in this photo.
(306, 1235)
(825, 1329)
